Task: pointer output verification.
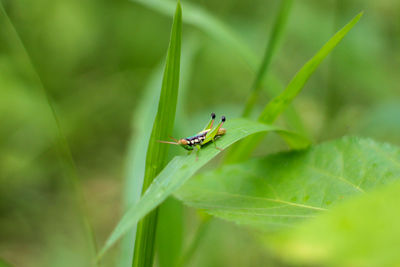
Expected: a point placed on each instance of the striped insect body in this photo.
(207, 135)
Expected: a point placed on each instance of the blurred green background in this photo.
(95, 60)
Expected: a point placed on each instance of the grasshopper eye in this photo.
(213, 115)
(183, 142)
(223, 118)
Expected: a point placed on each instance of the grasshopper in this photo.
(205, 136)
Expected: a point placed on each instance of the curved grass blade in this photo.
(170, 232)
(276, 34)
(278, 191)
(145, 114)
(180, 169)
(157, 153)
(281, 102)
(62, 143)
(170, 228)
(215, 28)
(197, 16)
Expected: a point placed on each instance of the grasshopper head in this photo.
(183, 142)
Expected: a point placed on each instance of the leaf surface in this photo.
(277, 191)
(362, 232)
(181, 168)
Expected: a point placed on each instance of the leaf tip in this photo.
(358, 16)
(178, 6)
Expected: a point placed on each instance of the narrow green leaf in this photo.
(145, 114)
(279, 190)
(279, 103)
(142, 122)
(197, 16)
(199, 235)
(362, 232)
(60, 138)
(271, 48)
(275, 107)
(180, 169)
(217, 29)
(157, 153)
(170, 232)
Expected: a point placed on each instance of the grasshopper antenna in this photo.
(173, 138)
(212, 119)
(167, 142)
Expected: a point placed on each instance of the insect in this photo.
(205, 136)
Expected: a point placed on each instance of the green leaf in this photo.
(217, 29)
(279, 190)
(144, 115)
(180, 169)
(170, 228)
(362, 232)
(157, 153)
(271, 48)
(142, 122)
(275, 107)
(28, 67)
(197, 16)
(170, 232)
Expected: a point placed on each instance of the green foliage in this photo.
(170, 232)
(63, 147)
(94, 58)
(271, 48)
(361, 232)
(157, 153)
(135, 160)
(180, 169)
(279, 190)
(200, 18)
(4, 264)
(277, 105)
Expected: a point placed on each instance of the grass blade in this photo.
(157, 153)
(281, 102)
(170, 232)
(198, 17)
(271, 48)
(142, 120)
(136, 159)
(180, 169)
(217, 29)
(62, 143)
(170, 228)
